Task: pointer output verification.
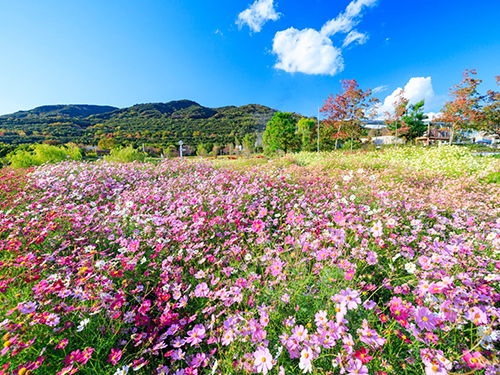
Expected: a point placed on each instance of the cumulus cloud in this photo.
(355, 36)
(306, 51)
(312, 52)
(416, 89)
(433, 115)
(257, 15)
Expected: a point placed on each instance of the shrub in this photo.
(43, 153)
(125, 155)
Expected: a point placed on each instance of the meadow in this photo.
(333, 263)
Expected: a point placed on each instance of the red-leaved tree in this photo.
(463, 111)
(394, 121)
(346, 111)
(492, 111)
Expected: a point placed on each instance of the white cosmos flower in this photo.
(410, 267)
(82, 325)
(491, 236)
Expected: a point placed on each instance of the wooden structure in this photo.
(435, 133)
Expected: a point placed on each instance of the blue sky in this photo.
(288, 55)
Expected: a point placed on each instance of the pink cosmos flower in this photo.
(276, 267)
(435, 362)
(227, 337)
(201, 290)
(474, 360)
(299, 333)
(258, 226)
(263, 360)
(62, 344)
(350, 298)
(86, 355)
(75, 356)
(363, 356)
(477, 316)
(425, 319)
(115, 356)
(377, 229)
(371, 258)
(196, 335)
(356, 367)
(321, 318)
(370, 336)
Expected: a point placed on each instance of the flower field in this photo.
(362, 263)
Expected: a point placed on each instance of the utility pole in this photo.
(318, 129)
(180, 148)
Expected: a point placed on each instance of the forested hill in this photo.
(151, 123)
(63, 110)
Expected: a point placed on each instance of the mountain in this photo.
(159, 124)
(63, 110)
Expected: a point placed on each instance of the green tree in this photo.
(107, 143)
(248, 144)
(280, 132)
(304, 130)
(201, 151)
(414, 120)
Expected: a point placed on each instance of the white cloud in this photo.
(432, 115)
(344, 22)
(379, 89)
(257, 15)
(355, 36)
(416, 89)
(306, 51)
(312, 52)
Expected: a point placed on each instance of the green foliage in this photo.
(305, 127)
(125, 155)
(280, 132)
(348, 147)
(107, 143)
(493, 178)
(201, 151)
(42, 153)
(414, 120)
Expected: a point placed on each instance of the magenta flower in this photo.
(75, 356)
(474, 360)
(258, 226)
(115, 356)
(263, 360)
